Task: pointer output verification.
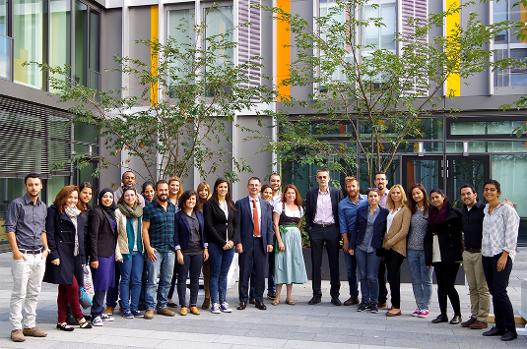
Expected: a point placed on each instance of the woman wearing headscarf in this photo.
(102, 239)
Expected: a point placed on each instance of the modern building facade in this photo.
(87, 34)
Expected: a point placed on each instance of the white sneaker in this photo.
(97, 321)
(106, 317)
(215, 308)
(225, 307)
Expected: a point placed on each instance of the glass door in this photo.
(448, 172)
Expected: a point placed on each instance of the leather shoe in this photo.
(455, 320)
(260, 305)
(509, 336)
(252, 301)
(494, 331)
(314, 300)
(478, 325)
(336, 301)
(242, 306)
(352, 301)
(468, 322)
(440, 318)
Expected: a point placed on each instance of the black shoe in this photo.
(271, 296)
(314, 300)
(455, 320)
(493, 332)
(362, 307)
(242, 306)
(336, 301)
(440, 318)
(509, 336)
(252, 301)
(260, 305)
(373, 308)
(351, 301)
(172, 305)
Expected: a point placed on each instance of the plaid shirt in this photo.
(162, 225)
(500, 231)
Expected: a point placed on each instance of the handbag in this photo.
(86, 292)
(85, 299)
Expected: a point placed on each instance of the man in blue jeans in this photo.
(158, 238)
(348, 218)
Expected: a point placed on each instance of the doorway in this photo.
(448, 172)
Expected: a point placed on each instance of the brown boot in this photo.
(17, 336)
(34, 332)
(478, 325)
(166, 312)
(206, 304)
(149, 314)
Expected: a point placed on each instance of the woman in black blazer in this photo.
(65, 227)
(366, 245)
(191, 250)
(102, 238)
(220, 232)
(443, 250)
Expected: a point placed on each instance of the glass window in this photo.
(81, 42)
(94, 47)
(383, 36)
(219, 21)
(59, 33)
(511, 171)
(509, 44)
(5, 43)
(28, 38)
(10, 188)
(483, 128)
(181, 31)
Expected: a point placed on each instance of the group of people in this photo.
(141, 248)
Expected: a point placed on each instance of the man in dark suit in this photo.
(323, 227)
(254, 217)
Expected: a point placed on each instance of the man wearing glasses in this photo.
(323, 227)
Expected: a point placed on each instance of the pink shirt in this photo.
(324, 212)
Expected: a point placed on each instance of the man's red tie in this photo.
(255, 220)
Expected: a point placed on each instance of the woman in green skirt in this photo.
(289, 260)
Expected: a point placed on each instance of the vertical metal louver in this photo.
(249, 38)
(35, 138)
(414, 9)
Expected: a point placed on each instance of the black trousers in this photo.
(393, 261)
(498, 282)
(381, 277)
(193, 264)
(253, 259)
(330, 238)
(446, 273)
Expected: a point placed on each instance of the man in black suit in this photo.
(323, 227)
(254, 217)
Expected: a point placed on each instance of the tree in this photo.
(379, 93)
(189, 96)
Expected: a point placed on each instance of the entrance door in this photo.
(447, 172)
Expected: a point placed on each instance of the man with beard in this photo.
(348, 217)
(381, 182)
(25, 227)
(158, 238)
(472, 220)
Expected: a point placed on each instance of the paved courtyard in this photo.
(283, 326)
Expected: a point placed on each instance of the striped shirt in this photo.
(500, 231)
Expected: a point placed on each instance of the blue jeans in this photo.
(351, 270)
(131, 278)
(421, 275)
(220, 262)
(161, 268)
(368, 264)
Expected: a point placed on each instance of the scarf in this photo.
(436, 216)
(72, 213)
(132, 212)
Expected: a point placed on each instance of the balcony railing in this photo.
(6, 54)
